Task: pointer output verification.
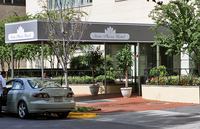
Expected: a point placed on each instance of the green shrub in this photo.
(114, 73)
(101, 78)
(84, 109)
(87, 79)
(79, 80)
(78, 63)
(160, 71)
(71, 80)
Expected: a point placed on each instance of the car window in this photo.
(39, 83)
(17, 86)
(9, 84)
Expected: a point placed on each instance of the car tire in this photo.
(22, 110)
(63, 114)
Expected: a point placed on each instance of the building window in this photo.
(13, 2)
(85, 2)
(70, 3)
(19, 2)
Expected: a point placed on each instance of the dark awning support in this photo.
(139, 85)
(105, 67)
(42, 58)
(12, 62)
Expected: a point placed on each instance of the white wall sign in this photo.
(21, 34)
(110, 33)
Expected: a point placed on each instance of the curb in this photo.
(83, 115)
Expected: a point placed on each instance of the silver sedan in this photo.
(27, 96)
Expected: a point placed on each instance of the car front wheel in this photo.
(22, 110)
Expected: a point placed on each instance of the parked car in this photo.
(27, 96)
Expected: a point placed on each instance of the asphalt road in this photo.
(11, 121)
(174, 118)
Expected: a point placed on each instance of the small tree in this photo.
(125, 59)
(94, 60)
(65, 29)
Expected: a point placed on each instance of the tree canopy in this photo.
(181, 18)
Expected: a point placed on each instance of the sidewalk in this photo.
(115, 103)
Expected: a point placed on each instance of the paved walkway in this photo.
(115, 103)
(136, 111)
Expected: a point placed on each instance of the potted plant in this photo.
(125, 60)
(93, 58)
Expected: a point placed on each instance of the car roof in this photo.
(24, 79)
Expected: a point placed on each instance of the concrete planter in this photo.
(126, 92)
(184, 94)
(94, 89)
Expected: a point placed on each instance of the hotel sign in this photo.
(25, 32)
(20, 34)
(110, 34)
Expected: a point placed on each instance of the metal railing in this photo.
(76, 76)
(172, 76)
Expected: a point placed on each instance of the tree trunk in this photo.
(93, 76)
(66, 79)
(18, 68)
(199, 69)
(57, 65)
(8, 63)
(2, 65)
(126, 85)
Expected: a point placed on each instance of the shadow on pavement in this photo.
(79, 98)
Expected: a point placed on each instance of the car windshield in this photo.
(39, 83)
